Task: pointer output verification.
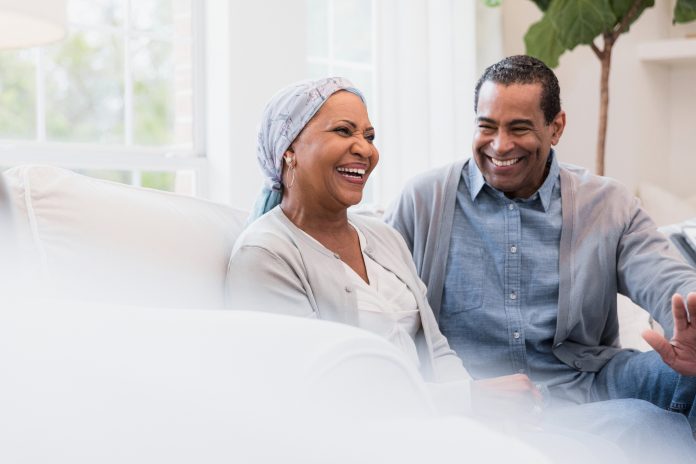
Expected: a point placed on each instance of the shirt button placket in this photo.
(512, 280)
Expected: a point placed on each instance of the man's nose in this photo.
(502, 142)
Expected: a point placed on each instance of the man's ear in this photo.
(558, 124)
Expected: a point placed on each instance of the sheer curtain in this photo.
(429, 55)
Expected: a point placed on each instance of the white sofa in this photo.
(113, 348)
(95, 240)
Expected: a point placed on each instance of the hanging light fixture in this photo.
(27, 23)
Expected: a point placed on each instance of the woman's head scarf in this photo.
(283, 119)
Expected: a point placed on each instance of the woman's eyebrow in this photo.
(350, 123)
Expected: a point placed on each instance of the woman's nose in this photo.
(363, 147)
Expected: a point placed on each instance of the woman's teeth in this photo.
(509, 162)
(352, 171)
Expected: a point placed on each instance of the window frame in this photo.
(125, 156)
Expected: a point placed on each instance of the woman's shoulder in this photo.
(268, 231)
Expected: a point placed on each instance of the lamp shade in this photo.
(27, 23)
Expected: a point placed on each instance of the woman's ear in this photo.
(289, 156)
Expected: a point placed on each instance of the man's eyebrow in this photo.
(485, 119)
(526, 122)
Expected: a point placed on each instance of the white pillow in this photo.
(665, 207)
(102, 241)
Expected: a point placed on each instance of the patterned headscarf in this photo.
(283, 119)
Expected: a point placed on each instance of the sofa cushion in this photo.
(97, 240)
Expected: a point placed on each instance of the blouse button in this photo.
(348, 289)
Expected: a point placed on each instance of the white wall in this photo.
(652, 107)
(254, 48)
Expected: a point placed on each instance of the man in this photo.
(523, 258)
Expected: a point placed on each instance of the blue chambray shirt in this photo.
(500, 297)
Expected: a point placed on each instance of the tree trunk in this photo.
(605, 62)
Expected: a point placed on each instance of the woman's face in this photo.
(334, 155)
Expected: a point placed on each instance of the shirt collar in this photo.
(477, 182)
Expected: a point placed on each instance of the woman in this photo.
(306, 255)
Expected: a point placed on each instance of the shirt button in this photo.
(513, 295)
(348, 289)
(513, 249)
(515, 335)
(511, 206)
(578, 364)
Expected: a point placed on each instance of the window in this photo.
(116, 99)
(340, 43)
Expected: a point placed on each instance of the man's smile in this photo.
(502, 163)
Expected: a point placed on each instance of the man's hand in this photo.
(509, 395)
(680, 352)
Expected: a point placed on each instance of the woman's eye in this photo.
(343, 131)
(370, 137)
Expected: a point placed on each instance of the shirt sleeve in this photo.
(259, 280)
(649, 269)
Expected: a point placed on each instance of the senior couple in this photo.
(510, 261)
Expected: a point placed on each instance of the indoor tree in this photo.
(569, 23)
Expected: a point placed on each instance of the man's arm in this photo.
(649, 269)
(401, 216)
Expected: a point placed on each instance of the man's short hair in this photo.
(523, 69)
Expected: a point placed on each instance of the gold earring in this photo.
(290, 161)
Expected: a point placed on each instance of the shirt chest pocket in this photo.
(464, 281)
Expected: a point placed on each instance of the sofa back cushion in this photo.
(89, 239)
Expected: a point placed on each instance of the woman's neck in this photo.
(311, 218)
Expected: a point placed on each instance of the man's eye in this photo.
(370, 137)
(343, 131)
(520, 130)
(484, 128)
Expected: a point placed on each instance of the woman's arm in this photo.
(259, 280)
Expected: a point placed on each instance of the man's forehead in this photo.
(516, 101)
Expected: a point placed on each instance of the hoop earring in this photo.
(291, 168)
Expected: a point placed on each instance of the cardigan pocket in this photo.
(464, 278)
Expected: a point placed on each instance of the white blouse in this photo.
(386, 306)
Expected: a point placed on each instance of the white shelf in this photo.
(668, 51)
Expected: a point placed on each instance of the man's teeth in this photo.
(509, 162)
(352, 171)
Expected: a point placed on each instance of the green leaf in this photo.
(621, 7)
(542, 4)
(580, 21)
(684, 11)
(541, 41)
(492, 3)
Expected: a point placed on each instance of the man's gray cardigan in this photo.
(608, 244)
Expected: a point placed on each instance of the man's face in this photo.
(512, 142)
